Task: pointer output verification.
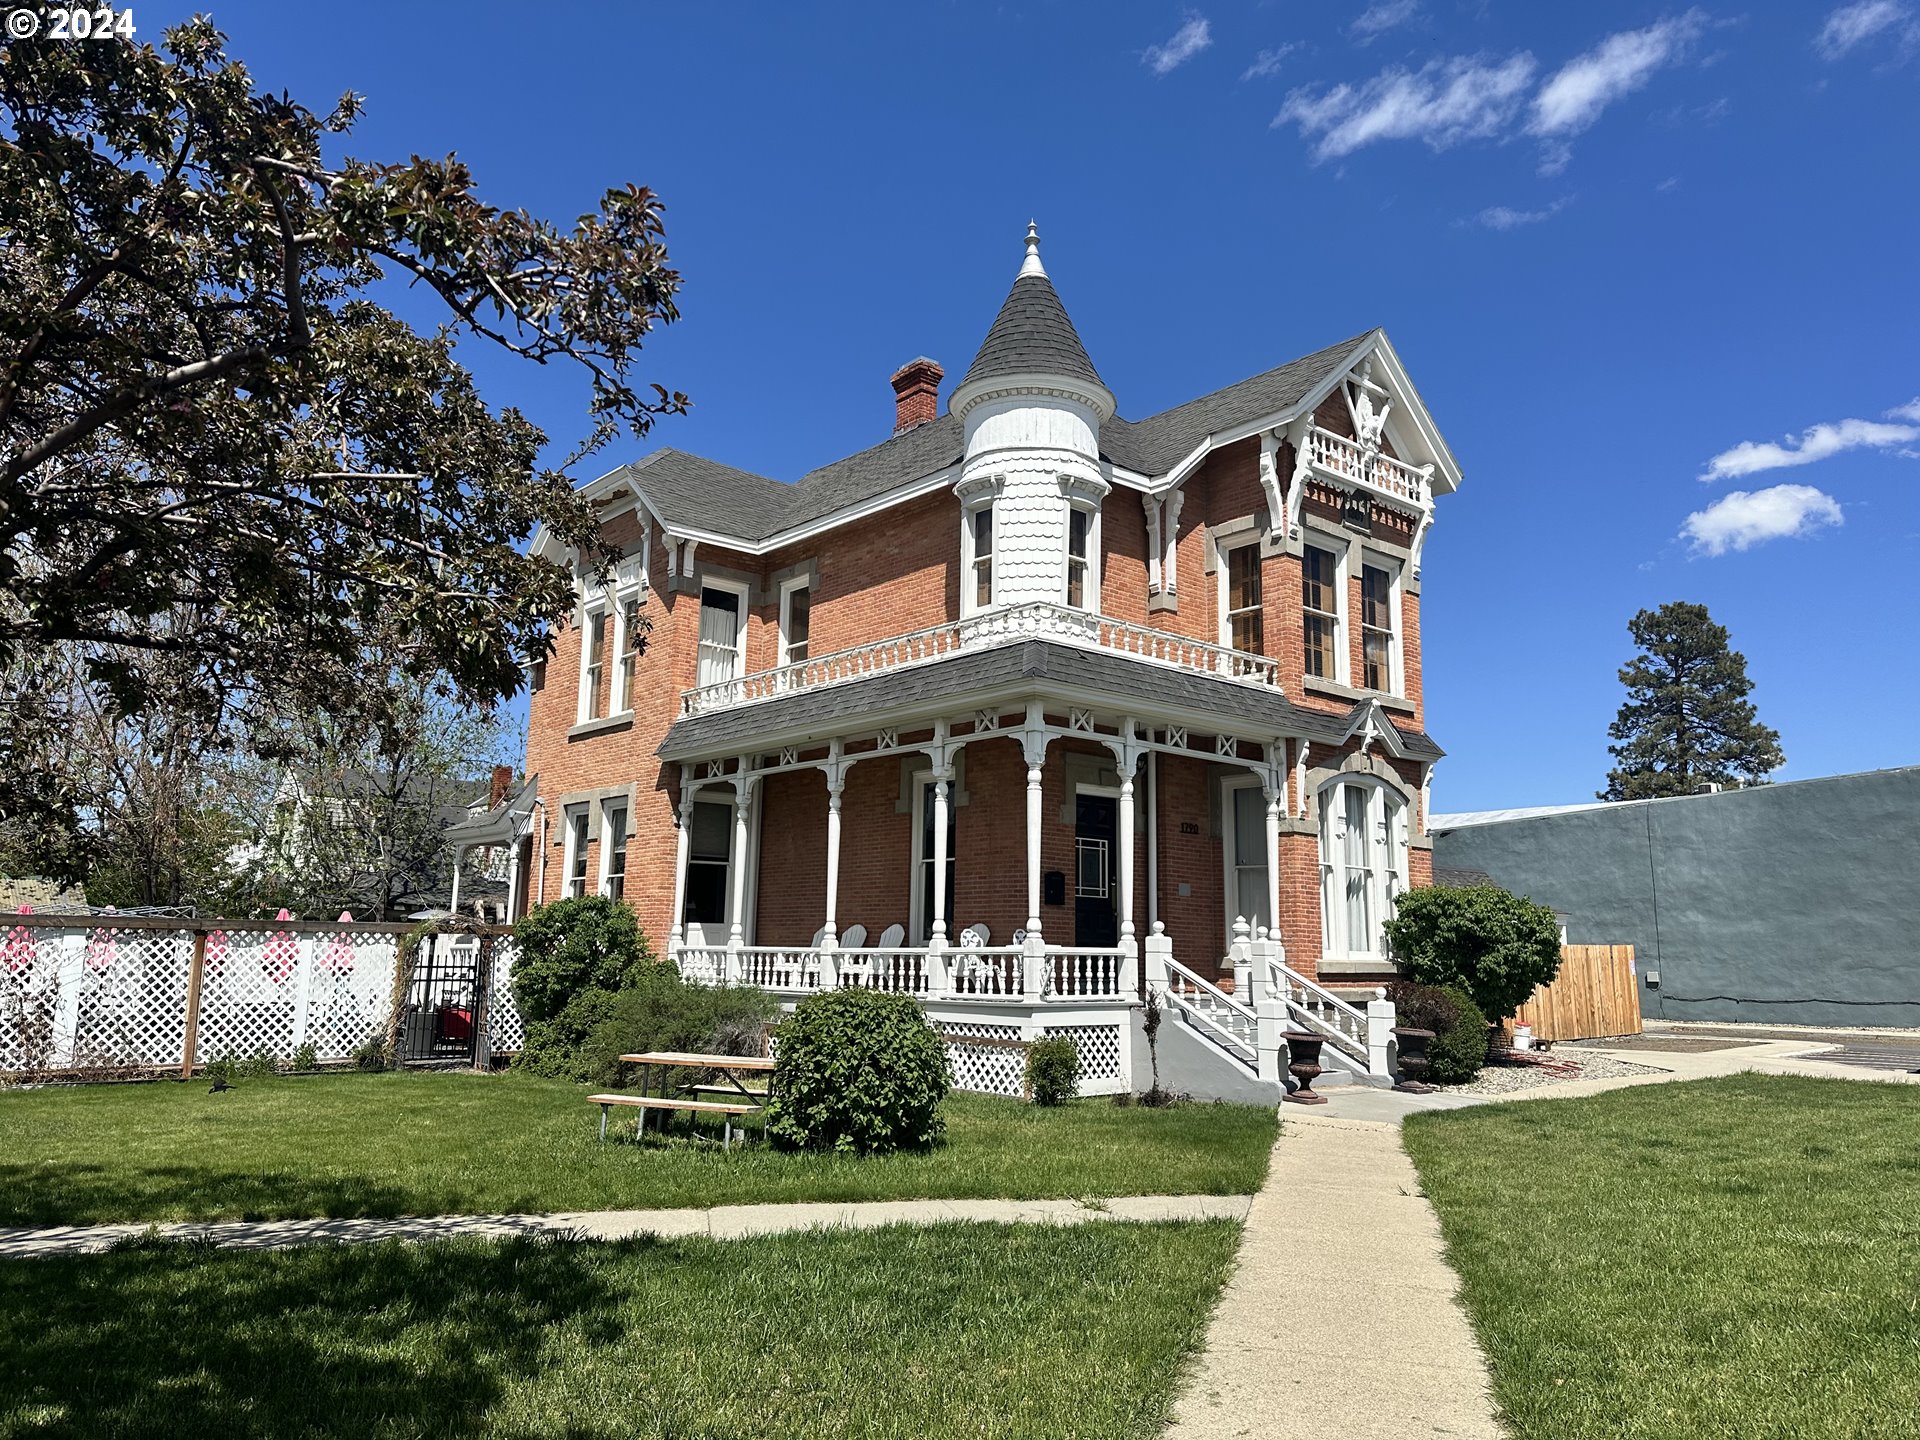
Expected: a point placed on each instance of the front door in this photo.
(1096, 918)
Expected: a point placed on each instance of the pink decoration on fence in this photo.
(283, 953)
(102, 950)
(18, 949)
(216, 952)
(338, 957)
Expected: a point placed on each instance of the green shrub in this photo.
(858, 1071)
(1459, 1045)
(1496, 946)
(260, 1065)
(372, 1055)
(1053, 1070)
(570, 946)
(223, 1069)
(306, 1057)
(657, 1011)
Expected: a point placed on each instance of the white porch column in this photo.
(937, 926)
(513, 883)
(1125, 886)
(743, 786)
(1033, 746)
(1153, 837)
(1276, 789)
(453, 897)
(836, 774)
(683, 846)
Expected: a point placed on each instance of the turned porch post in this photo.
(937, 927)
(1275, 783)
(737, 908)
(836, 772)
(683, 847)
(1033, 745)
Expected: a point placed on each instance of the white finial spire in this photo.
(1031, 265)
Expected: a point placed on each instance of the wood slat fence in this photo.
(1595, 994)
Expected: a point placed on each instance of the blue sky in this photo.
(1653, 269)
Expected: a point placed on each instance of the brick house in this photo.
(1025, 705)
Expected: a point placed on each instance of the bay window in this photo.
(1363, 864)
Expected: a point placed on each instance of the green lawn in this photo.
(1728, 1258)
(422, 1144)
(976, 1330)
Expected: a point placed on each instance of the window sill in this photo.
(1314, 685)
(601, 726)
(1358, 965)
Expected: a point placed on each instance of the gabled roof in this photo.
(1032, 336)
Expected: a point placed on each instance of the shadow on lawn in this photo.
(90, 1194)
(168, 1339)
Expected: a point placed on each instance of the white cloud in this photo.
(1465, 97)
(1751, 457)
(1851, 24)
(1377, 19)
(1267, 62)
(1573, 98)
(1743, 519)
(1505, 217)
(1188, 41)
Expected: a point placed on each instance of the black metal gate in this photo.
(446, 1002)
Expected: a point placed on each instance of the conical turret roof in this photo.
(1032, 334)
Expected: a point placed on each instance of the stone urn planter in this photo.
(1303, 1063)
(1413, 1061)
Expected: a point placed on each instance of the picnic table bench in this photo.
(748, 1102)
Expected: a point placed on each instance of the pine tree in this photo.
(1687, 721)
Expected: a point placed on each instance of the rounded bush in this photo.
(1459, 1045)
(1053, 1070)
(1496, 946)
(588, 943)
(857, 1071)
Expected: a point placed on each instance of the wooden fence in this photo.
(1595, 994)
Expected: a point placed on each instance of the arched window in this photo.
(1363, 863)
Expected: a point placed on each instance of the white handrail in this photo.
(1351, 461)
(1320, 1009)
(1207, 1006)
(1038, 620)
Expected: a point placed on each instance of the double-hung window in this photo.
(613, 850)
(593, 664)
(1379, 641)
(1320, 611)
(1245, 629)
(1363, 864)
(980, 558)
(1079, 544)
(796, 622)
(721, 633)
(632, 631)
(576, 851)
(709, 847)
(1247, 893)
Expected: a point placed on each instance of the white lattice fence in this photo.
(131, 1003)
(1103, 1068)
(506, 1031)
(987, 1059)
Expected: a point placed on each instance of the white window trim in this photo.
(1391, 876)
(787, 589)
(1396, 652)
(1342, 621)
(969, 605)
(575, 840)
(1229, 889)
(1093, 581)
(1223, 583)
(608, 808)
(595, 605)
(725, 923)
(738, 588)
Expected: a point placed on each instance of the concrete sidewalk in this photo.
(724, 1222)
(1341, 1314)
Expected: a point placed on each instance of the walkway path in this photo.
(725, 1222)
(1369, 1348)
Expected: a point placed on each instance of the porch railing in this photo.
(1014, 623)
(1354, 463)
(1059, 974)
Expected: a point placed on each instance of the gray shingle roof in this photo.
(703, 494)
(1032, 336)
(1031, 666)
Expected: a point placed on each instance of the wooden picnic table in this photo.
(730, 1066)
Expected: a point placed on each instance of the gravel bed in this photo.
(1559, 1068)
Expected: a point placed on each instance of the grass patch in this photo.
(1726, 1258)
(970, 1330)
(425, 1144)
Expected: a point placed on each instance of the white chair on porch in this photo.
(855, 965)
(967, 967)
(888, 967)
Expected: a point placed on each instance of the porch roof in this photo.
(1036, 669)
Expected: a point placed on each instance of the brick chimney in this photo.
(916, 393)
(502, 782)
